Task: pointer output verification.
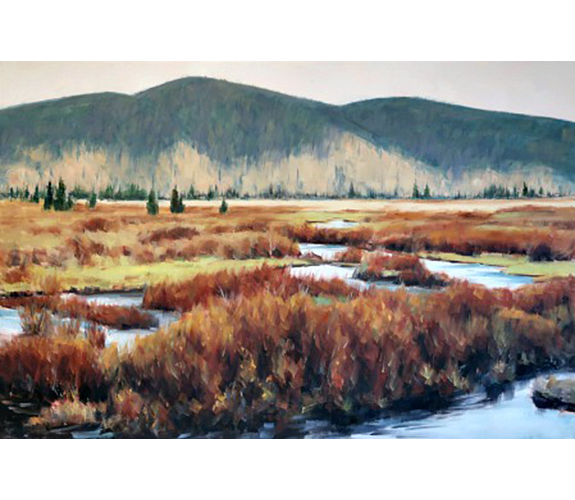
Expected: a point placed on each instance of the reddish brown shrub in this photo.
(203, 288)
(404, 268)
(95, 224)
(169, 234)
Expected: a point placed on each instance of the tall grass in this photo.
(263, 354)
(241, 362)
(36, 307)
(403, 268)
(203, 288)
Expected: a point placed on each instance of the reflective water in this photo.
(9, 322)
(131, 299)
(10, 318)
(336, 224)
(326, 252)
(488, 276)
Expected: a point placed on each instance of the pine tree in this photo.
(49, 198)
(12, 195)
(176, 202)
(93, 200)
(60, 201)
(415, 191)
(541, 192)
(351, 193)
(223, 207)
(525, 192)
(69, 202)
(426, 192)
(26, 193)
(36, 196)
(152, 204)
(515, 192)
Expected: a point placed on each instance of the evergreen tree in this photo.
(416, 193)
(176, 202)
(525, 192)
(36, 196)
(211, 194)
(12, 193)
(351, 193)
(191, 192)
(60, 201)
(541, 192)
(515, 192)
(152, 204)
(93, 200)
(426, 192)
(223, 207)
(26, 194)
(49, 198)
(69, 202)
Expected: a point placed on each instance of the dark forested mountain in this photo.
(205, 132)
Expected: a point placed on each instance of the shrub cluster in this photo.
(403, 268)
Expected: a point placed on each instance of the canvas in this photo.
(243, 252)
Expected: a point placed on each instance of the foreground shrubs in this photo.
(266, 353)
(239, 363)
(47, 369)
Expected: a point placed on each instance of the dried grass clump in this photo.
(460, 237)
(169, 234)
(123, 318)
(95, 224)
(358, 237)
(351, 256)
(403, 268)
(52, 368)
(68, 412)
(19, 274)
(202, 288)
(84, 249)
(37, 307)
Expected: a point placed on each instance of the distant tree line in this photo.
(134, 192)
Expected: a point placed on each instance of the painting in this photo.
(287, 250)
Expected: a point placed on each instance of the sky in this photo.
(534, 88)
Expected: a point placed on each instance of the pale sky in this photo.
(542, 89)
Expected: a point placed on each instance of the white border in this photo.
(295, 30)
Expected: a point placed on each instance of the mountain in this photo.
(205, 132)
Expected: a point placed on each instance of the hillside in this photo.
(205, 132)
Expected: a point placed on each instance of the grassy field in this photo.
(118, 245)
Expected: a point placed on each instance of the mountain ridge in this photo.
(203, 131)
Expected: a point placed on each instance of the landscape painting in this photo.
(287, 250)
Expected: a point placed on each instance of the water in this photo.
(9, 322)
(513, 416)
(479, 274)
(131, 299)
(336, 224)
(325, 252)
(10, 318)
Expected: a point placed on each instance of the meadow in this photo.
(253, 343)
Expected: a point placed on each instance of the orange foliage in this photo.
(202, 288)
